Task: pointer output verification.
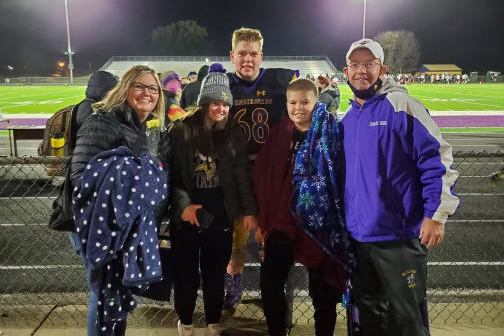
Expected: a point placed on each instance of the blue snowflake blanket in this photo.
(319, 207)
(113, 208)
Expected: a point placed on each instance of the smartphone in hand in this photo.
(205, 218)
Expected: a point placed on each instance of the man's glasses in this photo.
(367, 66)
(141, 87)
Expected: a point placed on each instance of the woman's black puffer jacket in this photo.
(104, 131)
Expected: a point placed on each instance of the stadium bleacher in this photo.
(182, 65)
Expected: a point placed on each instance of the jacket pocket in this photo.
(391, 199)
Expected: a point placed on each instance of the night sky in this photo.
(468, 33)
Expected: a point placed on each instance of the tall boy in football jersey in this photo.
(259, 101)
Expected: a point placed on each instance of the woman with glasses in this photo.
(120, 119)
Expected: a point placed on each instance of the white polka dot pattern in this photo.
(112, 206)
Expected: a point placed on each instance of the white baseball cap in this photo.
(368, 44)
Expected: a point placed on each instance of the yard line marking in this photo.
(475, 220)
(424, 101)
(431, 263)
(476, 145)
(479, 134)
(45, 94)
(22, 267)
(465, 263)
(466, 139)
(463, 292)
(28, 115)
(21, 224)
(493, 221)
(37, 102)
(478, 163)
(454, 113)
(432, 292)
(20, 198)
(256, 264)
(466, 92)
(479, 194)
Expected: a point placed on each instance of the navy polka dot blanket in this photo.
(114, 218)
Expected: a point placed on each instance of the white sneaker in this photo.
(185, 329)
(212, 329)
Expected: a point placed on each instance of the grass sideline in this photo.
(436, 97)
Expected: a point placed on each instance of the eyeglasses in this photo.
(141, 87)
(367, 66)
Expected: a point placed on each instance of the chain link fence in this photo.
(42, 280)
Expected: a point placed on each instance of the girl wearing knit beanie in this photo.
(210, 189)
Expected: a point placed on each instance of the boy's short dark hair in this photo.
(303, 84)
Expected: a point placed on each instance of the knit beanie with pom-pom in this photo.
(215, 86)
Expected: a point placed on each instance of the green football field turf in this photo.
(38, 99)
(462, 97)
(453, 97)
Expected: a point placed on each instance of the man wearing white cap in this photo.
(398, 194)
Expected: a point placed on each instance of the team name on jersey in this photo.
(241, 102)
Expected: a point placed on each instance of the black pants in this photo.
(278, 260)
(209, 250)
(389, 287)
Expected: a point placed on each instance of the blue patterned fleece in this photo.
(113, 208)
(319, 207)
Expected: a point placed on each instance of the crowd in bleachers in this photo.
(334, 77)
(432, 79)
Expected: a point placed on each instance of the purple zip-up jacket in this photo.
(398, 167)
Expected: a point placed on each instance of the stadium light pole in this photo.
(363, 20)
(69, 51)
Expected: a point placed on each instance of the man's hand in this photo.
(431, 232)
(259, 236)
(249, 222)
(189, 214)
